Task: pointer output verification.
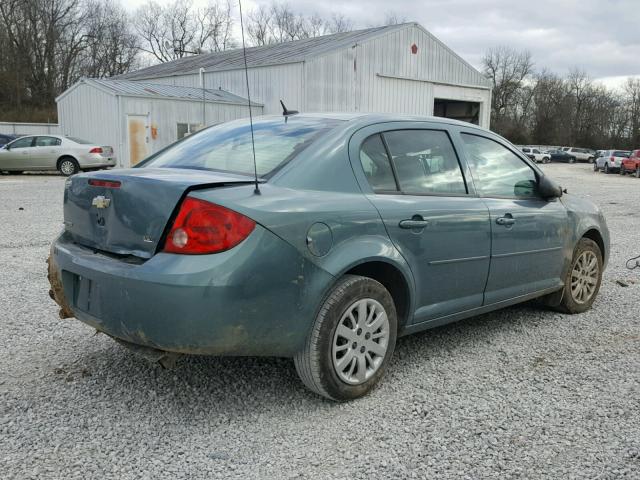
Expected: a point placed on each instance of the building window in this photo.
(186, 129)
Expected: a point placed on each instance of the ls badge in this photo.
(101, 201)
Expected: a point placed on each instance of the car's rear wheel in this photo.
(595, 167)
(606, 168)
(583, 278)
(622, 171)
(590, 159)
(638, 171)
(68, 166)
(351, 341)
(572, 160)
(546, 160)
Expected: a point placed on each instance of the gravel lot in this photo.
(520, 393)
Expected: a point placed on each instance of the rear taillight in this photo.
(96, 150)
(613, 159)
(203, 227)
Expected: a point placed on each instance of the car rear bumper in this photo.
(97, 161)
(256, 299)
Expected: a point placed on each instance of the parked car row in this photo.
(68, 155)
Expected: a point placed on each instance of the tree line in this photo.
(539, 107)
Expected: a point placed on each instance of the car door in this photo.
(46, 152)
(413, 177)
(529, 234)
(16, 155)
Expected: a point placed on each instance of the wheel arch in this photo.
(62, 157)
(394, 278)
(595, 235)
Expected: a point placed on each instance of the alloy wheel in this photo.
(360, 341)
(67, 167)
(584, 277)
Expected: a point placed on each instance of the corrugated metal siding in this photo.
(164, 116)
(22, 128)
(91, 114)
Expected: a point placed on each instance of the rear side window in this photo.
(498, 171)
(47, 141)
(376, 166)
(425, 162)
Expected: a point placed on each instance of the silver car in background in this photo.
(610, 161)
(68, 155)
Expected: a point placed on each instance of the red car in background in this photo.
(631, 164)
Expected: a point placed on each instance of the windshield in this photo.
(227, 147)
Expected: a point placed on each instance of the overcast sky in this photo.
(600, 36)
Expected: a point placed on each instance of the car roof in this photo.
(371, 118)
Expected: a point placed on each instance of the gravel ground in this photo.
(519, 393)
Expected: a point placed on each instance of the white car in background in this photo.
(581, 154)
(610, 161)
(68, 155)
(536, 154)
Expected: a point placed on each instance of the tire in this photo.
(638, 171)
(572, 160)
(622, 171)
(68, 166)
(571, 302)
(606, 168)
(590, 159)
(317, 363)
(595, 167)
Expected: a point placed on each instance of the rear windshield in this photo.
(227, 147)
(620, 153)
(79, 140)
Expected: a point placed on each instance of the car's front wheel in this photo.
(68, 166)
(351, 341)
(583, 278)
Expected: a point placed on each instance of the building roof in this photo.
(128, 88)
(277, 54)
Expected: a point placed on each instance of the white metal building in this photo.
(140, 118)
(393, 69)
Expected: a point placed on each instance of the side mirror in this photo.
(548, 189)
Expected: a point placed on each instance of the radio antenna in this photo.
(246, 76)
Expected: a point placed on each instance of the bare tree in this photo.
(178, 30)
(393, 18)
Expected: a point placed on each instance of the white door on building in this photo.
(138, 138)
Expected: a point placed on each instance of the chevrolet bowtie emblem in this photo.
(101, 202)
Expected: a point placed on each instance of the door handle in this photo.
(507, 220)
(417, 222)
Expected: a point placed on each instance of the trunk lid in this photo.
(131, 219)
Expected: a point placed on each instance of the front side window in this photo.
(227, 147)
(22, 142)
(47, 141)
(498, 171)
(425, 162)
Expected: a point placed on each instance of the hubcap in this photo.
(584, 277)
(360, 341)
(67, 167)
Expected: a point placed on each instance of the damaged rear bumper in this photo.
(256, 299)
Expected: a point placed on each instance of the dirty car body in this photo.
(338, 195)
